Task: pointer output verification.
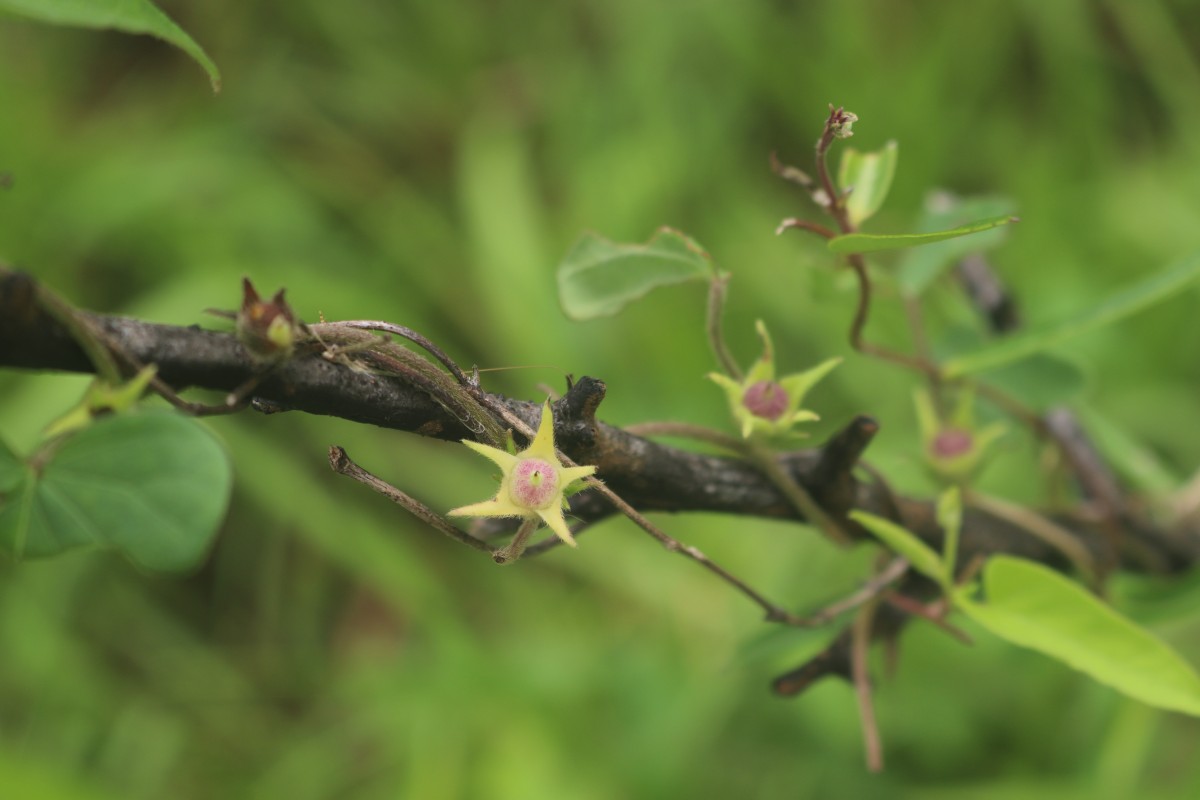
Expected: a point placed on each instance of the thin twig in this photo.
(412, 336)
(509, 554)
(935, 614)
(716, 338)
(805, 225)
(773, 612)
(835, 207)
(869, 591)
(860, 647)
(790, 173)
(1038, 526)
(690, 431)
(341, 463)
(862, 312)
(796, 494)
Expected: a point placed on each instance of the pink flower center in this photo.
(766, 399)
(950, 443)
(534, 483)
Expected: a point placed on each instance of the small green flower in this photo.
(762, 404)
(533, 481)
(953, 450)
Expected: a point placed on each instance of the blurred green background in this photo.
(429, 163)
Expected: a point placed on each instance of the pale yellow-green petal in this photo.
(733, 393)
(761, 370)
(506, 461)
(803, 415)
(553, 517)
(724, 382)
(727, 383)
(542, 445)
(798, 385)
(748, 421)
(768, 353)
(571, 474)
(496, 507)
(764, 368)
(927, 418)
(964, 410)
(989, 434)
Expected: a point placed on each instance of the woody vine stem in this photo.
(356, 371)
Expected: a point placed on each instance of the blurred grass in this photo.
(428, 164)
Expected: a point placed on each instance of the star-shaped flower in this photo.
(533, 481)
(765, 405)
(953, 449)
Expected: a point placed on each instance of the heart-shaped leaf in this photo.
(153, 485)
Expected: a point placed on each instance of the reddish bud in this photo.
(268, 330)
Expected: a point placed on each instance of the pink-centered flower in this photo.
(760, 403)
(533, 483)
(954, 449)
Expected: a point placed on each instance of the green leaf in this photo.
(902, 543)
(1158, 599)
(921, 266)
(153, 485)
(130, 16)
(870, 242)
(1041, 381)
(12, 471)
(598, 278)
(1133, 299)
(1035, 607)
(1133, 460)
(870, 176)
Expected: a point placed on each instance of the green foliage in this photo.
(597, 278)
(1133, 460)
(869, 175)
(1042, 380)
(874, 242)
(1160, 286)
(1033, 606)
(919, 555)
(151, 485)
(427, 164)
(921, 266)
(12, 472)
(130, 16)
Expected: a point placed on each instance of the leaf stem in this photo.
(716, 338)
